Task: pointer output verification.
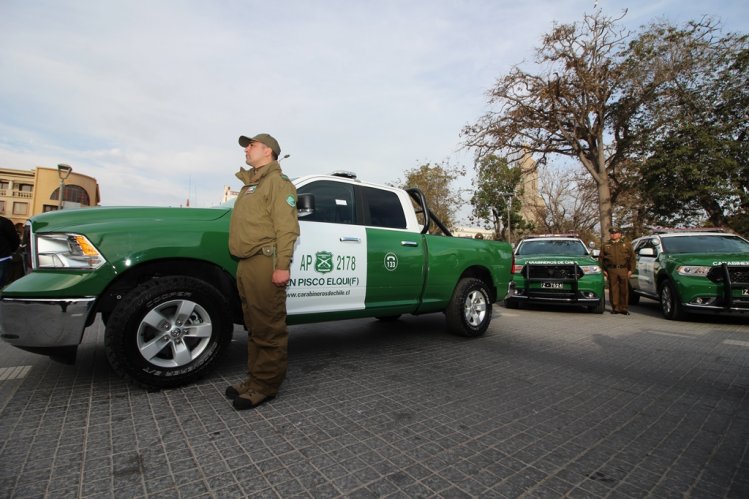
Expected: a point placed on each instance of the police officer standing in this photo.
(618, 263)
(262, 234)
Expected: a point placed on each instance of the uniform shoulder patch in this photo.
(283, 176)
(291, 201)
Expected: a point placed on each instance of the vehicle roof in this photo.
(550, 237)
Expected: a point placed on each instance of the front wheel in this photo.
(598, 309)
(167, 332)
(670, 304)
(470, 309)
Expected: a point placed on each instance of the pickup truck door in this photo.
(329, 267)
(396, 258)
(395, 276)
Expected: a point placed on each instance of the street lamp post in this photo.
(63, 171)
(508, 201)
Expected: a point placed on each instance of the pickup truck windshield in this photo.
(705, 244)
(558, 248)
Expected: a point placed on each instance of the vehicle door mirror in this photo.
(646, 252)
(305, 205)
(596, 253)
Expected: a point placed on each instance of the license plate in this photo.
(552, 285)
(745, 292)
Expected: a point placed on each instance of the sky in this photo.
(150, 96)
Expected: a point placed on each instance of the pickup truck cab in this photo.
(556, 269)
(163, 280)
(701, 271)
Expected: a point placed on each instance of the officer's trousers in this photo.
(264, 308)
(618, 289)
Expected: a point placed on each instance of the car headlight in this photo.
(591, 269)
(693, 270)
(67, 251)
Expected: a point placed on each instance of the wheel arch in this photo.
(483, 274)
(209, 272)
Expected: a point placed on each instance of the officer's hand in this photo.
(281, 277)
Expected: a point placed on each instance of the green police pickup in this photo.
(163, 282)
(692, 271)
(556, 269)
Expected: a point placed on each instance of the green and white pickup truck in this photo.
(162, 279)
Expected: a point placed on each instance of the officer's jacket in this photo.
(264, 219)
(618, 255)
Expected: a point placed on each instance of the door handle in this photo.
(409, 243)
(350, 239)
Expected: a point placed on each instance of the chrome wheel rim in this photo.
(174, 333)
(475, 308)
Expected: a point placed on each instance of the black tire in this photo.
(634, 298)
(598, 309)
(510, 303)
(470, 309)
(670, 302)
(148, 343)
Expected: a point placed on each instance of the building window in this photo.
(20, 208)
(73, 194)
(2, 206)
(49, 207)
(26, 188)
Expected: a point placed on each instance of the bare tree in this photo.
(563, 110)
(570, 202)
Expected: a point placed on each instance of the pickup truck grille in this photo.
(546, 271)
(731, 277)
(549, 275)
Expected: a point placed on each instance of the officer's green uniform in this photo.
(262, 234)
(617, 260)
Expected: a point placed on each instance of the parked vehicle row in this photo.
(685, 270)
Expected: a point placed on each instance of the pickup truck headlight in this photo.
(67, 251)
(693, 270)
(590, 269)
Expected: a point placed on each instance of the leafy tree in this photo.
(495, 178)
(616, 106)
(691, 130)
(435, 181)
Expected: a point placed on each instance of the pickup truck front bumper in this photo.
(40, 325)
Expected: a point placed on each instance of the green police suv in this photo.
(692, 271)
(556, 269)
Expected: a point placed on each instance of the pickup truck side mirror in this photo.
(646, 252)
(305, 205)
(595, 252)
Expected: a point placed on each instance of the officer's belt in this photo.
(617, 267)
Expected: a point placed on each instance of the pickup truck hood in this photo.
(69, 219)
(709, 259)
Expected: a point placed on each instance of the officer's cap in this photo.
(615, 228)
(263, 138)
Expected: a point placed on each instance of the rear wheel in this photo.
(470, 309)
(167, 332)
(670, 303)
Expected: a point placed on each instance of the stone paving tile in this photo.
(547, 404)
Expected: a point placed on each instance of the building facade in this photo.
(25, 193)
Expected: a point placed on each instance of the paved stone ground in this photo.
(547, 404)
